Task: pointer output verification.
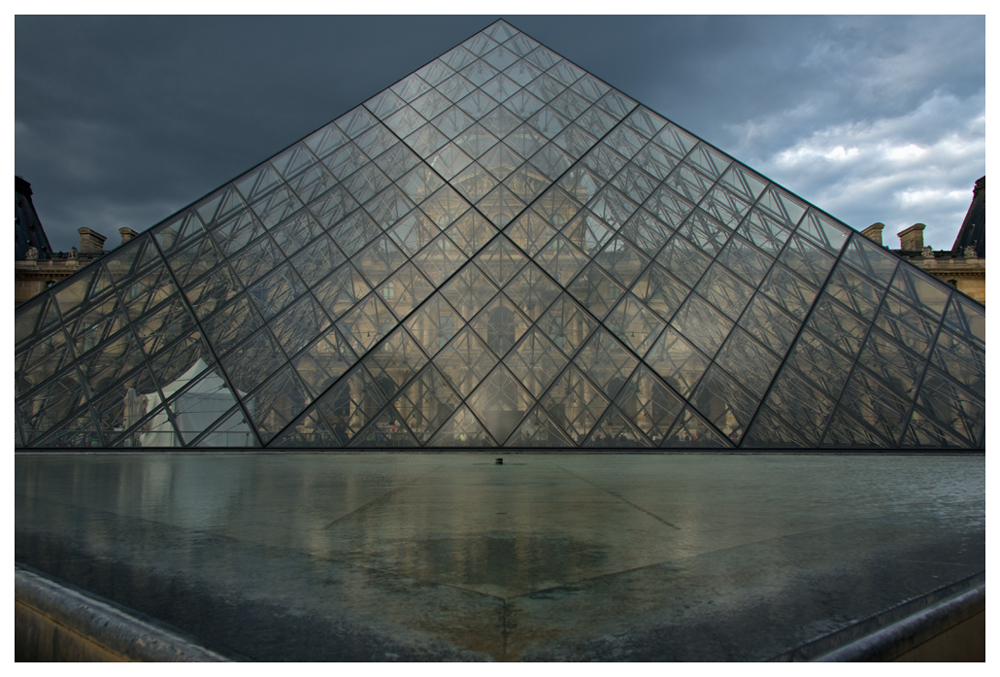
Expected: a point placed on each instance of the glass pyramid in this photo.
(501, 250)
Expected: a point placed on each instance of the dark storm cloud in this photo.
(121, 121)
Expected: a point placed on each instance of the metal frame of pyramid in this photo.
(501, 250)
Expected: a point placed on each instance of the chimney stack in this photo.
(127, 234)
(874, 232)
(91, 242)
(912, 239)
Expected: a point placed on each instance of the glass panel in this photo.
(622, 260)
(565, 72)
(769, 324)
(325, 141)
(366, 324)
(625, 141)
(705, 232)
(397, 160)
(439, 259)
(524, 140)
(384, 104)
(458, 58)
(575, 404)
(588, 232)
(768, 431)
(725, 206)
(332, 206)
(341, 290)
(616, 431)
(475, 141)
(604, 161)
(804, 406)
(311, 430)
(548, 122)
(426, 140)
(500, 402)
(530, 232)
(500, 122)
(725, 404)
(952, 407)
(581, 183)
(703, 324)
(892, 363)
(854, 291)
(199, 406)
(527, 183)
(648, 232)
(538, 430)
(413, 232)
(570, 104)
(394, 362)
(405, 290)
(645, 121)
(691, 432)
(712, 163)
(291, 235)
(684, 260)
(171, 236)
(817, 359)
(435, 72)
(924, 433)
(876, 405)
(257, 182)
(532, 291)
(111, 362)
(566, 324)
(590, 87)
(675, 140)
(750, 363)
(782, 206)
(231, 326)
(324, 362)
(871, 259)
(471, 232)
(499, 88)
(545, 87)
(388, 206)
(444, 206)
(552, 161)
(677, 361)
(434, 324)
(251, 363)
(807, 260)
(745, 260)
(234, 234)
(420, 183)
(833, 322)
(221, 205)
(825, 231)
(479, 72)
(906, 324)
(845, 432)
(449, 161)
(921, 290)
(606, 362)
(48, 406)
(962, 361)
(474, 182)
(500, 324)
(273, 293)
(689, 183)
(500, 161)
(465, 361)
(164, 325)
(355, 121)
(634, 324)
(743, 182)
(345, 161)
(764, 232)
(431, 104)
(350, 404)
(462, 430)
(455, 88)
(379, 260)
(968, 319)
(612, 207)
(98, 322)
(535, 362)
(26, 318)
(661, 291)
(427, 403)
(354, 232)
(500, 260)
(596, 290)
(789, 291)
(650, 404)
(212, 291)
(468, 291)
(385, 431)
(725, 291)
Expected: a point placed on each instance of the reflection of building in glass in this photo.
(501, 250)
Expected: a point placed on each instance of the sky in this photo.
(122, 121)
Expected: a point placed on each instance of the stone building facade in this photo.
(964, 265)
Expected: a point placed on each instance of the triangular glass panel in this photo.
(462, 430)
(538, 430)
(426, 403)
(500, 324)
(615, 431)
(385, 431)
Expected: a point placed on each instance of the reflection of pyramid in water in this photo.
(502, 250)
